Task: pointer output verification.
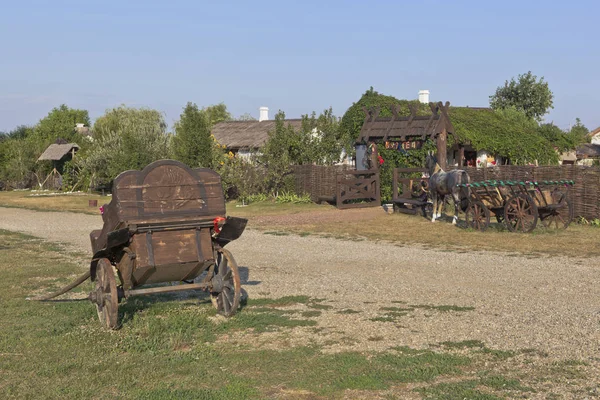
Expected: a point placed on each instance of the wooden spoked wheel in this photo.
(477, 216)
(558, 217)
(520, 214)
(226, 286)
(105, 295)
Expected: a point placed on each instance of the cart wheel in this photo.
(520, 214)
(477, 216)
(226, 292)
(105, 294)
(560, 217)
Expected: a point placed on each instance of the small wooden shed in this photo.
(59, 153)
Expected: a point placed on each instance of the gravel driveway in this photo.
(548, 304)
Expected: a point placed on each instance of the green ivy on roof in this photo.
(506, 133)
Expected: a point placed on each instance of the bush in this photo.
(241, 178)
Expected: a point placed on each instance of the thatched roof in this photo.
(56, 152)
(376, 128)
(588, 150)
(237, 135)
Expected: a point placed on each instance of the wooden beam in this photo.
(442, 151)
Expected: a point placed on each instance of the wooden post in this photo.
(395, 185)
(442, 151)
(461, 155)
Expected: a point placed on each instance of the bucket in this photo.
(93, 203)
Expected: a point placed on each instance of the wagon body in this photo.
(166, 223)
(519, 204)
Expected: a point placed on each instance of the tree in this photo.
(245, 117)
(21, 132)
(528, 94)
(120, 118)
(60, 123)
(278, 153)
(217, 113)
(579, 133)
(318, 139)
(192, 143)
(125, 138)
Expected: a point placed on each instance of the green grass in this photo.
(456, 391)
(465, 344)
(171, 347)
(442, 308)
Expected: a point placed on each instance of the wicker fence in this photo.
(320, 181)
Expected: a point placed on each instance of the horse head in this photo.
(430, 162)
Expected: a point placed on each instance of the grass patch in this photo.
(52, 201)
(396, 309)
(277, 233)
(465, 344)
(311, 313)
(499, 354)
(456, 391)
(320, 306)
(499, 382)
(442, 308)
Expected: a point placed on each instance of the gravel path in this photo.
(548, 304)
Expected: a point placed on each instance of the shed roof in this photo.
(381, 128)
(588, 150)
(247, 134)
(56, 152)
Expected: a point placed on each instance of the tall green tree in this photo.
(278, 153)
(579, 133)
(60, 123)
(527, 94)
(319, 139)
(192, 143)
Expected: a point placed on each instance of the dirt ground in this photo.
(507, 301)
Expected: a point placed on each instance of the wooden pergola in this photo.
(409, 132)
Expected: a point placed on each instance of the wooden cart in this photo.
(519, 204)
(164, 224)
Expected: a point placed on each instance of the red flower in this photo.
(380, 160)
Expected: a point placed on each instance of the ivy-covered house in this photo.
(479, 134)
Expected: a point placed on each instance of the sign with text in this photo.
(407, 145)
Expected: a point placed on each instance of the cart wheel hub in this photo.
(216, 284)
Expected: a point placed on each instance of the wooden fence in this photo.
(357, 189)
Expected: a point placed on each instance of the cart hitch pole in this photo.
(65, 289)
(166, 289)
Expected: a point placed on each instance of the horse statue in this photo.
(443, 183)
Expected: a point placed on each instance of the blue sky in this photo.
(297, 56)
